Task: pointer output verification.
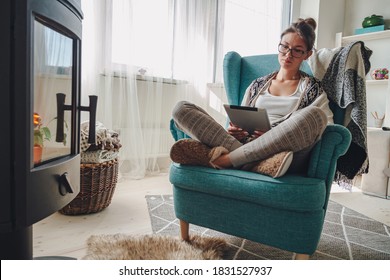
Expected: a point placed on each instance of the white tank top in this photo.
(279, 106)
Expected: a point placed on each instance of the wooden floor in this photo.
(62, 235)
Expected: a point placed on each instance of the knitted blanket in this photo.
(106, 147)
(342, 72)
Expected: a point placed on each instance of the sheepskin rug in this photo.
(153, 247)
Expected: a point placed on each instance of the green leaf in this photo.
(46, 132)
(64, 142)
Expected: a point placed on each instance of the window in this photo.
(52, 51)
(58, 49)
(246, 26)
(251, 26)
(151, 29)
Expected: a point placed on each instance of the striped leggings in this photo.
(298, 133)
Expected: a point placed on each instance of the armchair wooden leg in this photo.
(184, 230)
(297, 256)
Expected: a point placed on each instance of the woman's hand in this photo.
(257, 134)
(237, 132)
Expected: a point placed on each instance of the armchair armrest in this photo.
(334, 143)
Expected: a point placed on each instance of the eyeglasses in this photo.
(294, 52)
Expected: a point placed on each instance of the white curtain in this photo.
(118, 107)
(197, 49)
(139, 107)
(132, 99)
(194, 54)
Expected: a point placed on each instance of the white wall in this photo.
(345, 16)
(330, 22)
(335, 16)
(357, 10)
(309, 8)
(329, 15)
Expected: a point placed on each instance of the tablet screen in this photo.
(248, 118)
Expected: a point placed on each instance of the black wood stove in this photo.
(40, 77)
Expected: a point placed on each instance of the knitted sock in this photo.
(193, 152)
(274, 166)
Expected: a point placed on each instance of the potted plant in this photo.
(380, 74)
(41, 133)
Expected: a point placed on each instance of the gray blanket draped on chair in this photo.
(342, 72)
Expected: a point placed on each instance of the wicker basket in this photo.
(97, 186)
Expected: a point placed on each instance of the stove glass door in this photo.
(52, 74)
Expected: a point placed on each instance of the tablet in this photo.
(248, 118)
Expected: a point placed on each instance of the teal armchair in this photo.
(286, 212)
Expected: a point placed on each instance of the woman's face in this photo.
(292, 51)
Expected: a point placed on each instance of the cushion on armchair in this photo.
(289, 192)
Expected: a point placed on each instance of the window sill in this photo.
(146, 78)
(160, 80)
(215, 85)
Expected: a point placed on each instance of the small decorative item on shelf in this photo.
(370, 24)
(380, 74)
(142, 71)
(378, 120)
(373, 20)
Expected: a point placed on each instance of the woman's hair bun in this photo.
(309, 21)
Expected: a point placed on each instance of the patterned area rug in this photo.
(346, 235)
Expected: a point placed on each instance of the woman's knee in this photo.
(316, 114)
(180, 108)
(321, 116)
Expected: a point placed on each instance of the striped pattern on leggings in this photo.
(300, 131)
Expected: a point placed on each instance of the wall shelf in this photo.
(340, 40)
(368, 36)
(377, 82)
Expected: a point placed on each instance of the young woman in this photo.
(297, 107)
